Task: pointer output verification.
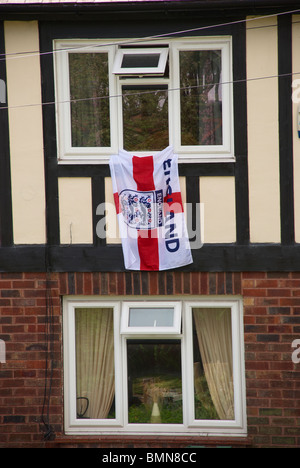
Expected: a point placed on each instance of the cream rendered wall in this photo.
(112, 229)
(75, 210)
(25, 131)
(263, 141)
(296, 104)
(217, 197)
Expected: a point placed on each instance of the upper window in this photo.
(144, 98)
(154, 367)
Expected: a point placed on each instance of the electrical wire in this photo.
(140, 93)
(146, 39)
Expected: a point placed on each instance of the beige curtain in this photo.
(95, 360)
(213, 328)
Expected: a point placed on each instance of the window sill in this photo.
(195, 158)
(151, 442)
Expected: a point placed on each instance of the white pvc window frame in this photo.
(66, 152)
(72, 423)
(214, 426)
(150, 82)
(101, 155)
(136, 330)
(190, 426)
(206, 153)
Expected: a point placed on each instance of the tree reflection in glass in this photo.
(145, 118)
(154, 381)
(89, 94)
(201, 97)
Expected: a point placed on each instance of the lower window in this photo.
(154, 366)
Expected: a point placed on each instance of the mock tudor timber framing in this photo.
(101, 257)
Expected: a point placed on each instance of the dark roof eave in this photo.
(152, 4)
(82, 10)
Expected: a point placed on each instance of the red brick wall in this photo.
(31, 324)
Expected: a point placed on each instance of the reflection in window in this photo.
(213, 366)
(95, 381)
(89, 94)
(201, 97)
(151, 317)
(145, 118)
(154, 381)
(140, 60)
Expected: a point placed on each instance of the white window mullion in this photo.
(187, 367)
(227, 98)
(124, 387)
(119, 112)
(238, 364)
(62, 105)
(113, 103)
(69, 366)
(120, 383)
(174, 98)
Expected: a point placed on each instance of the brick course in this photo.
(31, 325)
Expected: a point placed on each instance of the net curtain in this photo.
(213, 329)
(95, 360)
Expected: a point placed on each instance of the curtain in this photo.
(95, 360)
(213, 329)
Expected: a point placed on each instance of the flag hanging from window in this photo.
(150, 211)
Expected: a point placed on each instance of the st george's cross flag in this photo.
(150, 211)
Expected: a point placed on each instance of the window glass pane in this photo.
(201, 97)
(140, 60)
(145, 118)
(95, 382)
(213, 378)
(154, 382)
(151, 317)
(89, 91)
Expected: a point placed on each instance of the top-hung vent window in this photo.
(140, 61)
(140, 317)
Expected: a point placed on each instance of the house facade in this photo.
(94, 354)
